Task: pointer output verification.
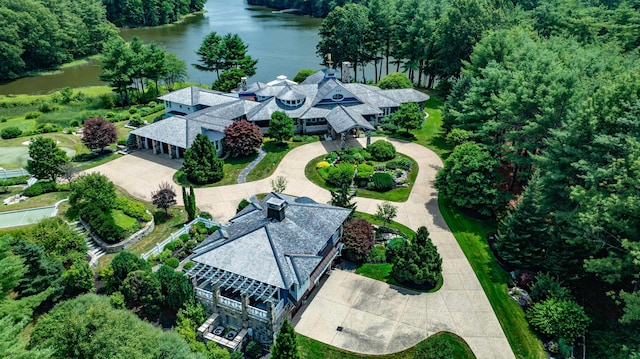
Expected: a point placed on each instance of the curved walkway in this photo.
(460, 306)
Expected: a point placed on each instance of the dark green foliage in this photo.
(470, 179)
(121, 265)
(253, 350)
(129, 13)
(10, 132)
(141, 289)
(286, 345)
(176, 288)
(548, 286)
(382, 181)
(78, 279)
(302, 75)
(342, 197)
(118, 67)
(12, 345)
(395, 246)
(280, 126)
(382, 150)
(42, 34)
(103, 225)
(242, 138)
(341, 175)
(228, 80)
(89, 327)
(11, 267)
(408, 116)
(172, 262)
(58, 240)
(189, 203)
(242, 205)
(558, 318)
(46, 159)
(201, 164)
(358, 238)
(131, 208)
(39, 188)
(395, 80)
(42, 272)
(377, 254)
(418, 261)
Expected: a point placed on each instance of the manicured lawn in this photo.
(395, 195)
(471, 235)
(275, 154)
(231, 169)
(313, 349)
(47, 199)
(377, 271)
(123, 220)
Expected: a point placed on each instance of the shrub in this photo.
(205, 215)
(341, 174)
(200, 228)
(184, 238)
(405, 164)
(103, 225)
(133, 110)
(382, 181)
(323, 164)
(358, 240)
(295, 139)
(418, 261)
(106, 101)
(392, 165)
(39, 188)
(152, 104)
(47, 128)
(136, 121)
(331, 157)
(395, 80)
(190, 245)
(559, 318)
(349, 159)
(393, 246)
(32, 115)
(365, 171)
(242, 205)
(377, 254)
(132, 208)
(253, 350)
(172, 262)
(548, 286)
(63, 187)
(390, 127)
(173, 245)
(11, 132)
(382, 150)
(47, 107)
(188, 265)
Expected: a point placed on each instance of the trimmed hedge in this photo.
(172, 262)
(39, 188)
(382, 150)
(103, 225)
(382, 181)
(132, 208)
(10, 132)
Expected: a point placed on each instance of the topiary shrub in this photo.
(382, 150)
(341, 174)
(188, 265)
(11, 132)
(173, 245)
(136, 121)
(172, 262)
(365, 171)
(382, 181)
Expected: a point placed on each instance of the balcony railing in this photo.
(258, 313)
(228, 302)
(204, 294)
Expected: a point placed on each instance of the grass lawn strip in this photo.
(313, 349)
(47, 199)
(275, 154)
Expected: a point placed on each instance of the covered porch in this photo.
(351, 121)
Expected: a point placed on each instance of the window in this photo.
(337, 97)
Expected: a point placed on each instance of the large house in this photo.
(320, 105)
(255, 272)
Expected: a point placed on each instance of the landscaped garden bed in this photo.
(375, 172)
(178, 249)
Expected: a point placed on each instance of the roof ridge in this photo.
(284, 278)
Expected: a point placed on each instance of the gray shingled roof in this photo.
(277, 253)
(291, 94)
(342, 119)
(314, 79)
(193, 95)
(406, 95)
(329, 86)
(371, 95)
(172, 130)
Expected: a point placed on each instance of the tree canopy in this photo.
(201, 164)
(46, 160)
(98, 133)
(132, 13)
(417, 261)
(280, 126)
(242, 138)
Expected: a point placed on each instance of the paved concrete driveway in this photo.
(377, 318)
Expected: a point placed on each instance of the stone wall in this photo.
(122, 245)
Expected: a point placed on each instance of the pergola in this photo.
(205, 274)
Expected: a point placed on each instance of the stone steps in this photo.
(94, 251)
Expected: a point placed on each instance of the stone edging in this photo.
(122, 245)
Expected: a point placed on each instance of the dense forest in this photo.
(133, 13)
(42, 34)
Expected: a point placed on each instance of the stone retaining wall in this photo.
(120, 246)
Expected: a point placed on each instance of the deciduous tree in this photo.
(92, 190)
(164, 197)
(46, 159)
(395, 80)
(98, 133)
(386, 212)
(280, 127)
(358, 238)
(408, 116)
(242, 138)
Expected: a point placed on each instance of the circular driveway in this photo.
(377, 318)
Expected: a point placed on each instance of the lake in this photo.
(282, 43)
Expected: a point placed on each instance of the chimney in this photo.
(275, 208)
(346, 75)
(243, 83)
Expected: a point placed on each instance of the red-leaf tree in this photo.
(242, 138)
(358, 240)
(98, 133)
(164, 197)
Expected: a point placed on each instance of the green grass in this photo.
(47, 199)
(431, 134)
(471, 235)
(395, 195)
(382, 272)
(123, 220)
(313, 349)
(406, 231)
(231, 169)
(275, 154)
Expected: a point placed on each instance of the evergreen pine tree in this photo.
(201, 164)
(286, 345)
(418, 261)
(189, 203)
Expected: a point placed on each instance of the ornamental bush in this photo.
(341, 175)
(418, 261)
(365, 171)
(132, 208)
(201, 164)
(172, 262)
(358, 240)
(559, 318)
(382, 181)
(322, 164)
(11, 132)
(242, 138)
(382, 150)
(39, 188)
